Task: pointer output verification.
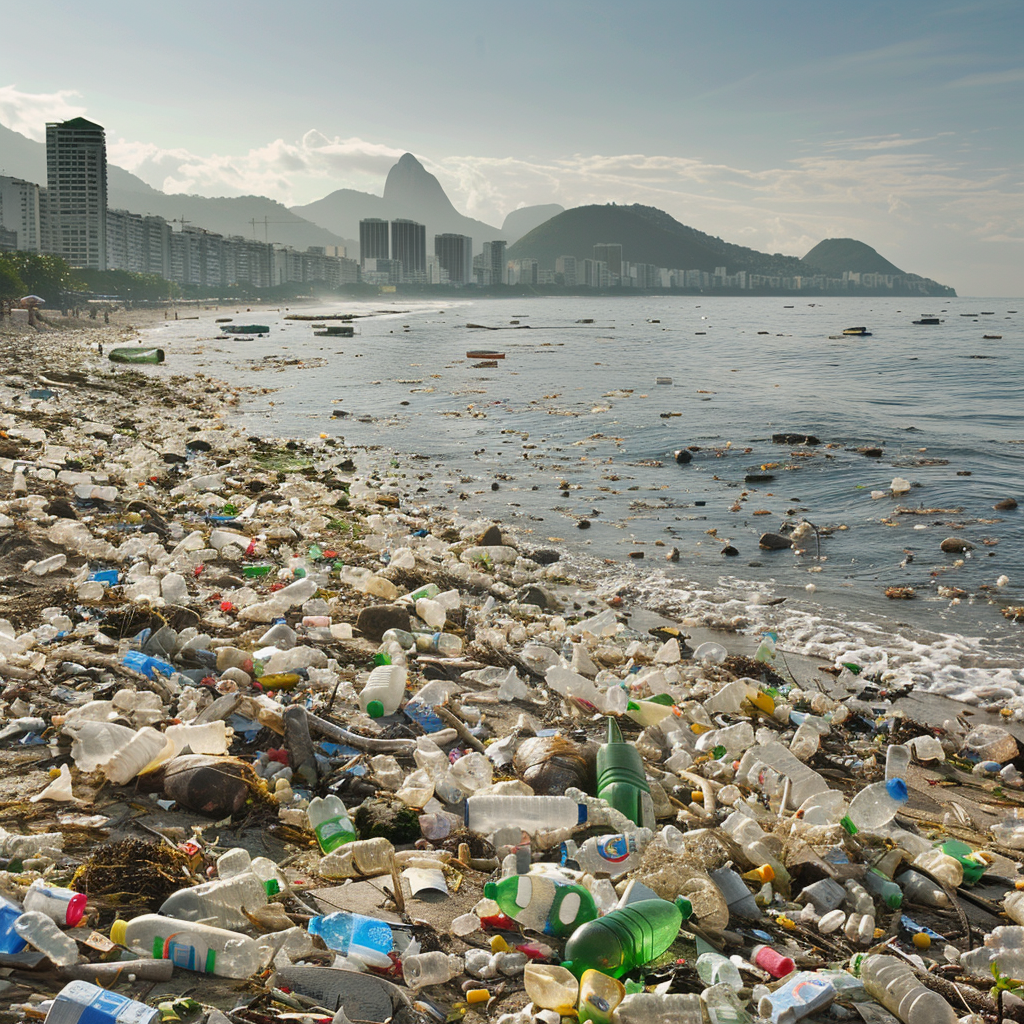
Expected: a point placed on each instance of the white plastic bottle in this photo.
(919, 889)
(876, 805)
(224, 900)
(194, 946)
(383, 691)
(892, 983)
(40, 932)
(329, 819)
(488, 812)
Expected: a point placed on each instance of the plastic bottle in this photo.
(802, 780)
(946, 869)
(876, 882)
(600, 995)
(1013, 905)
(40, 932)
(363, 858)
(81, 1001)
(448, 645)
(772, 961)
(893, 984)
(897, 760)
(826, 894)
(434, 968)
(330, 821)
(802, 995)
(738, 897)
(223, 901)
(543, 903)
(625, 938)
(765, 652)
(612, 855)
(146, 664)
(63, 906)
(196, 947)
(832, 921)
(551, 987)
(383, 691)
(715, 969)
(621, 779)
(919, 889)
(876, 805)
(10, 940)
(367, 938)
(487, 812)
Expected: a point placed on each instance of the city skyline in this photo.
(898, 126)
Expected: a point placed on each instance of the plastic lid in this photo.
(76, 909)
(897, 789)
(685, 907)
(490, 890)
(117, 932)
(272, 886)
(375, 709)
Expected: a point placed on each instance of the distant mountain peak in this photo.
(409, 183)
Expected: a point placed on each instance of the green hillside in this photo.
(833, 256)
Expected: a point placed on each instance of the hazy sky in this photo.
(773, 125)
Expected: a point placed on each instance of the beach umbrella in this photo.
(31, 300)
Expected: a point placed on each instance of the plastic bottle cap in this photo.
(477, 995)
(117, 932)
(897, 789)
(76, 909)
(375, 709)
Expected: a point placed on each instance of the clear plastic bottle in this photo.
(434, 968)
(826, 894)
(800, 996)
(64, 906)
(626, 937)
(893, 984)
(1013, 905)
(329, 819)
(802, 780)
(945, 868)
(897, 760)
(367, 938)
(196, 947)
(919, 889)
(363, 858)
(487, 812)
(612, 854)
(40, 932)
(448, 645)
(223, 901)
(876, 882)
(715, 969)
(876, 805)
(551, 987)
(383, 691)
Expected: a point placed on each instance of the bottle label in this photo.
(183, 954)
(615, 849)
(96, 1006)
(333, 833)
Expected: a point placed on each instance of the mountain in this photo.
(647, 235)
(833, 256)
(21, 157)
(520, 221)
(410, 191)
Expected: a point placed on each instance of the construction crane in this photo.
(266, 221)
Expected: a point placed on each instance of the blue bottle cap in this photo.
(897, 789)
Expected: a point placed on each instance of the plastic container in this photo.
(893, 984)
(40, 932)
(434, 968)
(890, 892)
(625, 938)
(765, 652)
(621, 779)
(223, 902)
(10, 940)
(367, 938)
(363, 858)
(63, 906)
(737, 896)
(383, 691)
(551, 987)
(600, 995)
(715, 969)
(802, 781)
(802, 995)
(611, 855)
(946, 869)
(189, 944)
(487, 812)
(446, 644)
(772, 961)
(826, 894)
(897, 760)
(329, 820)
(990, 743)
(973, 865)
(82, 1001)
(919, 889)
(876, 805)
(543, 903)
(1013, 905)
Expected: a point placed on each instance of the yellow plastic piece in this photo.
(922, 941)
(763, 702)
(477, 995)
(762, 874)
(697, 728)
(785, 922)
(499, 945)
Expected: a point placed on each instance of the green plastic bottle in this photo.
(544, 904)
(621, 779)
(626, 938)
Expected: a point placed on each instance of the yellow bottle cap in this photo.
(477, 995)
(117, 932)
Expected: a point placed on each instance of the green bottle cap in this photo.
(375, 709)
(848, 825)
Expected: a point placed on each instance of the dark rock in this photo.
(672, 555)
(532, 594)
(173, 458)
(544, 556)
(1006, 505)
(61, 508)
(379, 618)
(583, 524)
(774, 542)
(953, 545)
(636, 554)
(758, 478)
(394, 821)
(730, 551)
(871, 453)
(198, 445)
(683, 456)
(794, 439)
(491, 537)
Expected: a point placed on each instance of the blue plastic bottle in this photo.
(367, 938)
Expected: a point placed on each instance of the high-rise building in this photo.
(494, 263)
(373, 239)
(455, 254)
(76, 185)
(409, 247)
(19, 211)
(566, 266)
(610, 253)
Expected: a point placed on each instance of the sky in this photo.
(772, 125)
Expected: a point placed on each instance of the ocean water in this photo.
(580, 420)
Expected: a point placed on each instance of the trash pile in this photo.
(278, 745)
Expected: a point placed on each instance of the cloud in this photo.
(28, 113)
(985, 79)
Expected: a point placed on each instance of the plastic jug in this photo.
(621, 779)
(738, 897)
(330, 821)
(63, 906)
(543, 903)
(223, 902)
(383, 691)
(626, 938)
